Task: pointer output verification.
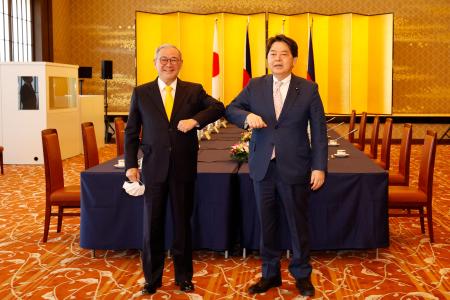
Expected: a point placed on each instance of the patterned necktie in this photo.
(168, 102)
(277, 101)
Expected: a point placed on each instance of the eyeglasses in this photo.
(165, 60)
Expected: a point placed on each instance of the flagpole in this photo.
(282, 26)
(310, 70)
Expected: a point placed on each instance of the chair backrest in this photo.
(426, 170)
(89, 145)
(351, 126)
(120, 141)
(385, 155)
(54, 174)
(362, 131)
(405, 152)
(119, 125)
(374, 137)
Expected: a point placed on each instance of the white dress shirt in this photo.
(284, 87)
(162, 89)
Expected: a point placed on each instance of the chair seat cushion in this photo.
(68, 195)
(404, 197)
(396, 178)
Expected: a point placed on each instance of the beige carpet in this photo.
(411, 268)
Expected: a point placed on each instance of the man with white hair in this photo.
(169, 111)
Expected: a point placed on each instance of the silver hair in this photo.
(167, 46)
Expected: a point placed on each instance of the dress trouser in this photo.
(272, 194)
(181, 197)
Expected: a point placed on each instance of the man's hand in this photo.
(255, 121)
(186, 125)
(317, 179)
(133, 174)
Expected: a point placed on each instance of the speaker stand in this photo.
(81, 86)
(107, 125)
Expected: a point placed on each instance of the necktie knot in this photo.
(278, 84)
(168, 88)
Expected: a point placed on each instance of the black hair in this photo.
(282, 38)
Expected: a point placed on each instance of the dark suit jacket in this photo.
(28, 97)
(162, 143)
(295, 156)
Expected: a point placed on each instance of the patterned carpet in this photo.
(411, 268)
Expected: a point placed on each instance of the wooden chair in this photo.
(385, 156)
(373, 150)
(89, 145)
(411, 198)
(1, 159)
(362, 132)
(56, 193)
(351, 126)
(401, 177)
(119, 125)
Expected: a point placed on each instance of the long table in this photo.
(349, 211)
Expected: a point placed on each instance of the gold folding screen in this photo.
(193, 34)
(352, 53)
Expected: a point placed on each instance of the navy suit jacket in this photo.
(296, 155)
(162, 143)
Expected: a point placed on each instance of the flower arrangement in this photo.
(239, 151)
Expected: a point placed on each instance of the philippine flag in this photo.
(311, 74)
(247, 72)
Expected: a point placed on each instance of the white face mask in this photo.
(134, 188)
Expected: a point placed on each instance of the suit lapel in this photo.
(155, 96)
(269, 99)
(180, 98)
(291, 97)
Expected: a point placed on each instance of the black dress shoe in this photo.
(264, 284)
(185, 286)
(150, 288)
(305, 286)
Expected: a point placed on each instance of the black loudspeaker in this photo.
(85, 72)
(107, 69)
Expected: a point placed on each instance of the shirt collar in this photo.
(162, 84)
(284, 81)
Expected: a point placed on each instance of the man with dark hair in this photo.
(284, 163)
(169, 111)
